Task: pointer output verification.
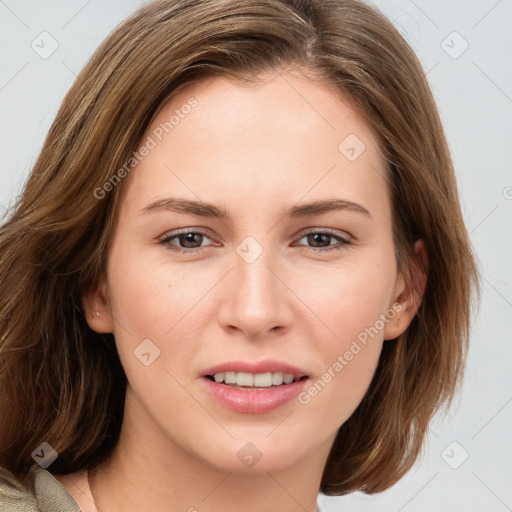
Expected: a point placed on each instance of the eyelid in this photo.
(181, 231)
(340, 234)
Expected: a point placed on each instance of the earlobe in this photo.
(96, 307)
(409, 295)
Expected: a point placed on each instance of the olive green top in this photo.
(40, 491)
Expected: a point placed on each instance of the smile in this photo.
(253, 387)
(251, 380)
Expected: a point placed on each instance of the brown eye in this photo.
(185, 241)
(189, 240)
(322, 240)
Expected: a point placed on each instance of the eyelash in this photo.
(343, 240)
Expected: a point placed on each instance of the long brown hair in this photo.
(62, 383)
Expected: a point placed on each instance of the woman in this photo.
(238, 274)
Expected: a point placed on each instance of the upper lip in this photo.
(267, 365)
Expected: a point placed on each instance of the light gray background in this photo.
(474, 94)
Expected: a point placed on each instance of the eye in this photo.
(321, 240)
(191, 241)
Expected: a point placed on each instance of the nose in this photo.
(256, 298)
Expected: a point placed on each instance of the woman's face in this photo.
(299, 274)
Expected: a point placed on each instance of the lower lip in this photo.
(253, 401)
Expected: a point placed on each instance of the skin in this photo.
(255, 151)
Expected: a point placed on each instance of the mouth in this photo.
(256, 381)
(254, 387)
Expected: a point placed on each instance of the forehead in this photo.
(218, 138)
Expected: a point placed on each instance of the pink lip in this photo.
(267, 365)
(250, 400)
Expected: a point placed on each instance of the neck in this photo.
(148, 471)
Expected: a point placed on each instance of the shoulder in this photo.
(17, 494)
(37, 491)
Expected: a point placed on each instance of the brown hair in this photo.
(63, 383)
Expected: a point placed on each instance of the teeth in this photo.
(229, 377)
(259, 380)
(287, 378)
(277, 378)
(244, 379)
(263, 380)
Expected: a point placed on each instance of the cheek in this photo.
(352, 302)
(150, 295)
(335, 394)
(349, 364)
(152, 304)
(153, 300)
(349, 299)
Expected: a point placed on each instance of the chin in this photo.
(254, 454)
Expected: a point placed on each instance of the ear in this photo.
(407, 297)
(97, 307)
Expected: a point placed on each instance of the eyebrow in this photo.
(204, 209)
